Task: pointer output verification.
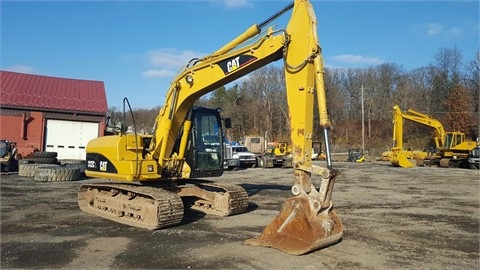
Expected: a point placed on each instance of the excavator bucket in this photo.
(299, 229)
(399, 159)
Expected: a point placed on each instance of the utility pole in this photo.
(363, 125)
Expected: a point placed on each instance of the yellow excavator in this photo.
(158, 175)
(452, 147)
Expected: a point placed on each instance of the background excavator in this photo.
(160, 172)
(452, 148)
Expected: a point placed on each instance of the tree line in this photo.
(448, 89)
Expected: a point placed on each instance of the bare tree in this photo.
(459, 116)
(421, 80)
(472, 81)
(448, 63)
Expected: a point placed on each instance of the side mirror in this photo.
(227, 123)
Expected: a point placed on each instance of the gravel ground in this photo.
(394, 218)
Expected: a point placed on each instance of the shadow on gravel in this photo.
(191, 216)
(253, 189)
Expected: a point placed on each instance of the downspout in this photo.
(24, 127)
(42, 135)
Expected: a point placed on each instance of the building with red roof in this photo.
(51, 114)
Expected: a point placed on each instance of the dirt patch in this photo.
(423, 217)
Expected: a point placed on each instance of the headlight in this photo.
(189, 79)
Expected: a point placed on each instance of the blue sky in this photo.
(137, 47)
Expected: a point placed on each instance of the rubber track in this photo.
(168, 205)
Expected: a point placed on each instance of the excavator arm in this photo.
(412, 115)
(400, 157)
(299, 47)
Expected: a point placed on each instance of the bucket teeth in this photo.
(298, 230)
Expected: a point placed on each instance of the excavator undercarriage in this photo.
(159, 206)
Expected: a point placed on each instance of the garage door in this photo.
(69, 138)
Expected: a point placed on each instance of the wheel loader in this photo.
(154, 177)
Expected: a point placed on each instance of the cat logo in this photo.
(230, 65)
(103, 166)
(233, 64)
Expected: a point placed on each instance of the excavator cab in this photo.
(205, 154)
(452, 139)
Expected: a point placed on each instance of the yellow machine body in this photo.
(163, 157)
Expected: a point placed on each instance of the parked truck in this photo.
(230, 162)
(269, 154)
